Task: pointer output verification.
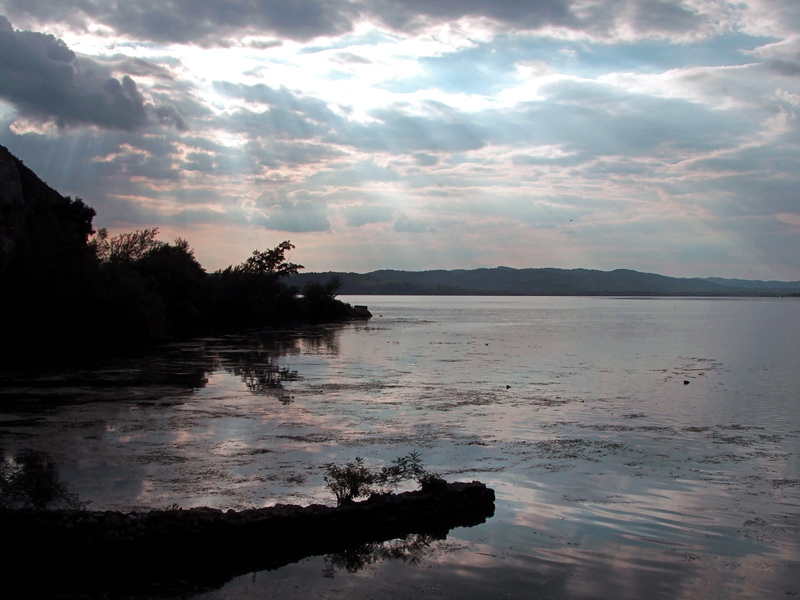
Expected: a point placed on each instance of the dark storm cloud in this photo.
(642, 17)
(44, 80)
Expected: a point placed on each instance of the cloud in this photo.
(543, 213)
(403, 224)
(224, 22)
(593, 119)
(348, 58)
(611, 18)
(199, 161)
(426, 160)
(531, 14)
(232, 22)
(365, 214)
(41, 77)
(662, 16)
(354, 174)
(398, 130)
(280, 213)
(289, 115)
(207, 23)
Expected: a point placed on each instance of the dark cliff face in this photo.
(33, 213)
(47, 267)
(12, 206)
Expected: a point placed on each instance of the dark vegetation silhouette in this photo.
(30, 481)
(356, 480)
(65, 287)
(411, 550)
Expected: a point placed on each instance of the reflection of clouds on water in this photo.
(611, 474)
(159, 428)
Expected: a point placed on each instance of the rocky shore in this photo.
(210, 545)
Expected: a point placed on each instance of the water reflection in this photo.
(30, 480)
(260, 373)
(185, 423)
(410, 550)
(179, 369)
(613, 477)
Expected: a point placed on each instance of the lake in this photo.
(638, 447)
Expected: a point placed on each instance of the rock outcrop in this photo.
(12, 202)
(210, 546)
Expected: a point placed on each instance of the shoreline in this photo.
(108, 549)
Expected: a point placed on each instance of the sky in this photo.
(656, 135)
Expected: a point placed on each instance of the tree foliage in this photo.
(48, 275)
(271, 262)
(319, 301)
(126, 247)
(64, 288)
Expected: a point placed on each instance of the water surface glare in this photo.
(639, 448)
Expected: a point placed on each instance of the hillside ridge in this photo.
(548, 281)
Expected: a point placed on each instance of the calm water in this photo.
(615, 478)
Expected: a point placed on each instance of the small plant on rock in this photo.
(356, 480)
(352, 481)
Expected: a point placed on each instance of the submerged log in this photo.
(210, 546)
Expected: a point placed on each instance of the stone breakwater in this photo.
(208, 543)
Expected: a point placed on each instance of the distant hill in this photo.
(505, 281)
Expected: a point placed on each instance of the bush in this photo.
(352, 481)
(356, 480)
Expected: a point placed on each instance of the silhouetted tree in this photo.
(271, 262)
(126, 247)
(49, 278)
(252, 295)
(319, 301)
(172, 272)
